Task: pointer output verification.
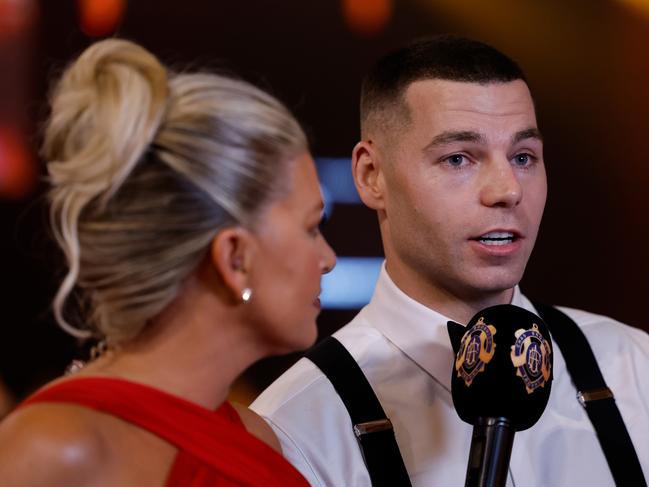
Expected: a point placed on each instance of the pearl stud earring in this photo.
(246, 294)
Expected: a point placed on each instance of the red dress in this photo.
(214, 447)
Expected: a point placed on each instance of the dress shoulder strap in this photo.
(215, 438)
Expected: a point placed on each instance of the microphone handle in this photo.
(491, 448)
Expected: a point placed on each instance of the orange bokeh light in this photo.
(100, 17)
(640, 5)
(367, 18)
(18, 174)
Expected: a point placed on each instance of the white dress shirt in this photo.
(405, 352)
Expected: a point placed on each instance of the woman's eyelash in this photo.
(324, 219)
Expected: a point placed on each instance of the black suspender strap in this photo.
(595, 397)
(370, 424)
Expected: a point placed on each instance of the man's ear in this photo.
(368, 174)
(231, 255)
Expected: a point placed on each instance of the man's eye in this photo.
(522, 159)
(455, 159)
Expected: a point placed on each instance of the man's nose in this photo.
(500, 185)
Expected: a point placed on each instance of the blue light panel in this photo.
(351, 283)
(336, 179)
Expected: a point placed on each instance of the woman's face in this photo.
(291, 257)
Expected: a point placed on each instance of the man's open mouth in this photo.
(497, 238)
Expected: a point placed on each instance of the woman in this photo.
(188, 207)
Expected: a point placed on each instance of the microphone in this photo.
(501, 382)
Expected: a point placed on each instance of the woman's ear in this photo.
(368, 174)
(231, 254)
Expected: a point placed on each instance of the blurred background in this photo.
(587, 67)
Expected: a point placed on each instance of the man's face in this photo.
(464, 191)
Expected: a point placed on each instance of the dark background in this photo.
(588, 69)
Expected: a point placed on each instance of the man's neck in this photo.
(457, 305)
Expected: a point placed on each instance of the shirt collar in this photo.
(418, 331)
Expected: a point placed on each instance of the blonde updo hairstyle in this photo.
(146, 167)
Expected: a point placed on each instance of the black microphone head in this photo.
(503, 366)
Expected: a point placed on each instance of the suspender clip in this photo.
(594, 395)
(361, 429)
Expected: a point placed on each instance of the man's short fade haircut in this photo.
(445, 57)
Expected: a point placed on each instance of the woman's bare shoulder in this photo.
(256, 426)
(51, 444)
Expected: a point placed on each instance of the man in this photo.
(451, 159)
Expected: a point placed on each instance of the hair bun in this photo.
(223, 150)
(106, 110)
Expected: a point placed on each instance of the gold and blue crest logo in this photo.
(476, 350)
(532, 356)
